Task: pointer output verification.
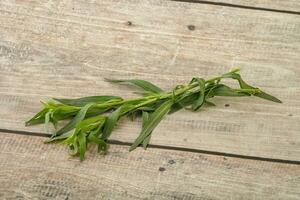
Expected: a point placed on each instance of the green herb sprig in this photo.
(92, 119)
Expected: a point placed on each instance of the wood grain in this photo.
(289, 5)
(31, 170)
(65, 49)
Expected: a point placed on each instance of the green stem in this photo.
(252, 91)
(152, 98)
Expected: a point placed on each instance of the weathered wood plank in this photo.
(289, 5)
(66, 49)
(33, 170)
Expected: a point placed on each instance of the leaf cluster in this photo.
(92, 119)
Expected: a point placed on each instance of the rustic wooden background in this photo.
(247, 150)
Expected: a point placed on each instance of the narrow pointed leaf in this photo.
(145, 117)
(262, 94)
(146, 141)
(47, 118)
(95, 133)
(145, 85)
(268, 97)
(38, 118)
(61, 111)
(153, 121)
(111, 123)
(78, 118)
(223, 90)
(82, 145)
(90, 124)
(200, 100)
(244, 85)
(146, 108)
(54, 120)
(61, 137)
(184, 102)
(176, 107)
(113, 119)
(86, 100)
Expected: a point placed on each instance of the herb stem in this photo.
(94, 117)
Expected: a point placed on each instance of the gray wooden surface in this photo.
(66, 49)
(30, 170)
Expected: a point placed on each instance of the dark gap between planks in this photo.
(216, 153)
(239, 6)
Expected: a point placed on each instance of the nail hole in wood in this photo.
(129, 23)
(191, 27)
(162, 169)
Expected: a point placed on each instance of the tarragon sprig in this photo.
(92, 119)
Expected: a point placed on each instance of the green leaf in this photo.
(78, 118)
(90, 124)
(145, 116)
(96, 132)
(146, 141)
(82, 145)
(38, 118)
(146, 108)
(58, 112)
(47, 118)
(185, 101)
(267, 96)
(61, 137)
(85, 127)
(102, 145)
(200, 100)
(176, 107)
(224, 90)
(86, 100)
(111, 123)
(153, 121)
(93, 137)
(53, 120)
(145, 85)
(61, 111)
(244, 85)
(113, 119)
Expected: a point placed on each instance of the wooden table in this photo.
(249, 149)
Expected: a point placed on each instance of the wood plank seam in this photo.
(239, 6)
(215, 153)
